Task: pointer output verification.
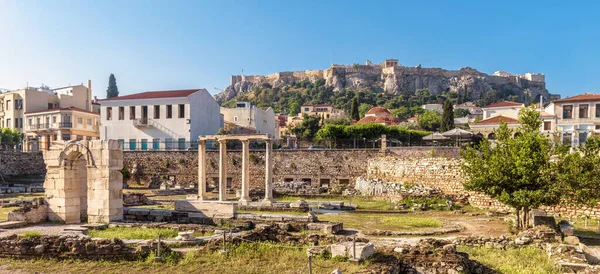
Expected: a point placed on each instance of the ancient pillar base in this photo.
(244, 201)
(268, 201)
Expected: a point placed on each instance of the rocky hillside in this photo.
(394, 79)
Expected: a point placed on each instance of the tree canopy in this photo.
(363, 109)
(529, 170)
(112, 90)
(11, 136)
(430, 120)
(308, 127)
(447, 116)
(331, 133)
(354, 114)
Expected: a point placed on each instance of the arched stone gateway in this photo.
(84, 182)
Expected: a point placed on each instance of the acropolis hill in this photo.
(393, 78)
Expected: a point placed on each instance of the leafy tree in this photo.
(430, 120)
(363, 109)
(529, 170)
(308, 127)
(11, 136)
(447, 116)
(461, 112)
(338, 121)
(402, 113)
(112, 90)
(294, 109)
(331, 133)
(354, 114)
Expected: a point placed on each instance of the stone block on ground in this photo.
(547, 221)
(566, 228)
(208, 208)
(591, 255)
(345, 249)
(572, 240)
(185, 236)
(299, 204)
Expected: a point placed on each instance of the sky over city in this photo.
(159, 45)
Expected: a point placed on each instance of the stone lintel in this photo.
(235, 137)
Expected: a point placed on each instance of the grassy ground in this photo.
(363, 203)
(127, 233)
(592, 228)
(22, 196)
(527, 260)
(4, 213)
(395, 222)
(245, 258)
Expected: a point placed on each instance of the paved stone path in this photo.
(44, 229)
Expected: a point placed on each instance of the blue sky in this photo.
(155, 45)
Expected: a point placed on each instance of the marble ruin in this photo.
(84, 182)
(245, 139)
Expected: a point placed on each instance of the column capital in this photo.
(222, 141)
(268, 141)
(201, 142)
(245, 142)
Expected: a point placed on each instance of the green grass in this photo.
(31, 234)
(245, 258)
(580, 228)
(528, 260)
(362, 203)
(4, 213)
(393, 222)
(128, 233)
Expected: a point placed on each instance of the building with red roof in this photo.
(379, 115)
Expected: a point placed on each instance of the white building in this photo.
(248, 116)
(437, 107)
(504, 108)
(171, 119)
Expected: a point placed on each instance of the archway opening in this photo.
(76, 180)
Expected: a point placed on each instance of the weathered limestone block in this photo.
(345, 249)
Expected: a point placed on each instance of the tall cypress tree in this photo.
(447, 116)
(354, 114)
(112, 90)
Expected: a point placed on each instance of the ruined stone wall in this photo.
(319, 166)
(21, 163)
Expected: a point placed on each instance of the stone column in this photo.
(245, 197)
(268, 173)
(383, 144)
(222, 170)
(201, 169)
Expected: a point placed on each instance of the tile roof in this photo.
(377, 110)
(504, 104)
(379, 119)
(58, 109)
(155, 94)
(496, 120)
(581, 97)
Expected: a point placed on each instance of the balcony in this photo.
(41, 127)
(143, 122)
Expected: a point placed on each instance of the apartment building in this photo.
(17, 106)
(508, 112)
(323, 110)
(249, 117)
(170, 119)
(577, 117)
(70, 123)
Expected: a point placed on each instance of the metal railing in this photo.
(141, 122)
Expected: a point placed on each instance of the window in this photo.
(109, 113)
(132, 143)
(49, 105)
(48, 122)
(8, 104)
(181, 143)
(235, 118)
(8, 124)
(88, 121)
(122, 141)
(547, 125)
(181, 111)
(54, 119)
(568, 112)
(37, 121)
(156, 112)
(144, 144)
(583, 111)
(121, 113)
(132, 113)
(156, 144)
(79, 137)
(169, 111)
(89, 138)
(66, 137)
(29, 122)
(306, 109)
(597, 110)
(19, 104)
(583, 136)
(79, 121)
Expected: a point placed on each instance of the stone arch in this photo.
(492, 136)
(84, 182)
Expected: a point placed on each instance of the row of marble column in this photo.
(245, 195)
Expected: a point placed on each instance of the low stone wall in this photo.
(67, 247)
(392, 190)
(30, 214)
(131, 199)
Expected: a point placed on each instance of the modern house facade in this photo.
(249, 117)
(323, 110)
(577, 117)
(156, 120)
(20, 109)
